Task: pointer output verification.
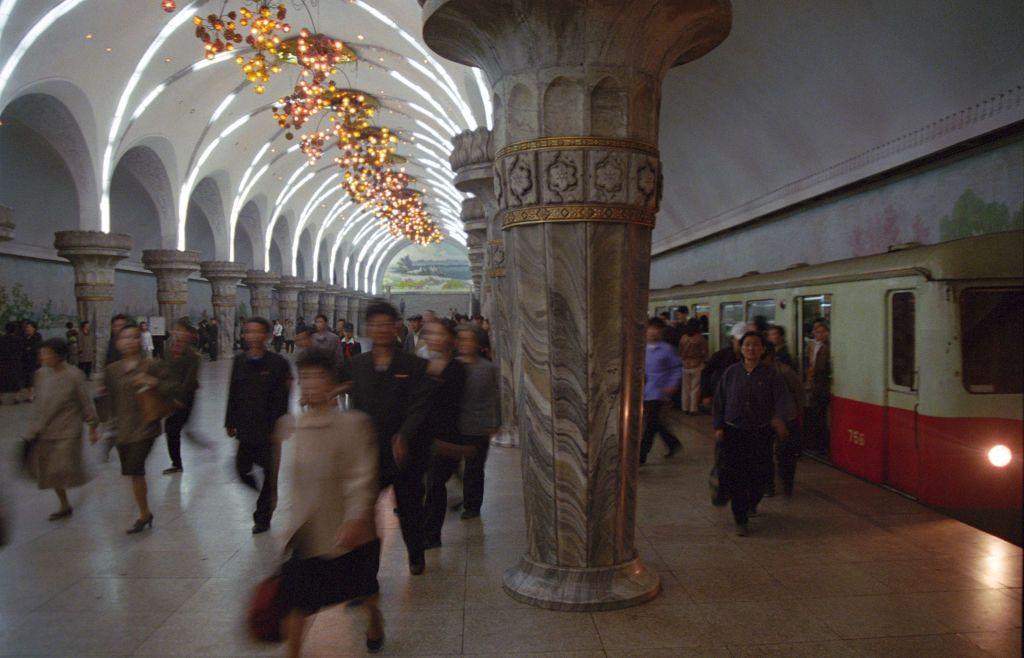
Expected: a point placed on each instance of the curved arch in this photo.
(134, 207)
(244, 250)
(248, 239)
(48, 116)
(207, 195)
(305, 266)
(144, 165)
(199, 235)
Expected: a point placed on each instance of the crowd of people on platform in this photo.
(763, 411)
(406, 414)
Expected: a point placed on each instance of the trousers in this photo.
(473, 476)
(172, 428)
(267, 455)
(653, 425)
(409, 491)
(745, 468)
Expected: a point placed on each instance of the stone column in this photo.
(172, 269)
(6, 224)
(309, 298)
(224, 277)
(327, 297)
(472, 160)
(364, 301)
(474, 219)
(340, 304)
(288, 288)
(94, 255)
(353, 312)
(261, 292)
(577, 88)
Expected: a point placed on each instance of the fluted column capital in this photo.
(472, 160)
(261, 278)
(221, 269)
(85, 246)
(290, 285)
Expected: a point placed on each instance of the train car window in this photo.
(812, 307)
(992, 324)
(730, 314)
(703, 313)
(902, 357)
(763, 307)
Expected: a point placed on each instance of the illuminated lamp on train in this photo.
(1000, 456)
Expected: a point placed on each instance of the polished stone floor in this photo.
(843, 568)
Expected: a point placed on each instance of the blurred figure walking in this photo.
(662, 378)
(481, 414)
(183, 369)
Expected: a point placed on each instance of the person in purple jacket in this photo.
(662, 378)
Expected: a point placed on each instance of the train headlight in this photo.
(1000, 455)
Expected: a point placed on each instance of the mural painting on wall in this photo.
(971, 215)
(440, 267)
(15, 304)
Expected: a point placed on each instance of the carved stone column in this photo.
(327, 297)
(94, 255)
(261, 292)
(288, 289)
(362, 302)
(577, 88)
(353, 311)
(472, 160)
(6, 224)
(340, 304)
(474, 219)
(172, 269)
(224, 278)
(309, 297)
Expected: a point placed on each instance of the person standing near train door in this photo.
(751, 402)
(819, 388)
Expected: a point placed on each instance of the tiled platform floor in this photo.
(843, 568)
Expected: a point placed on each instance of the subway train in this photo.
(926, 345)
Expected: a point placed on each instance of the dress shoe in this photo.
(260, 528)
(741, 530)
(470, 514)
(61, 514)
(432, 543)
(416, 568)
(172, 470)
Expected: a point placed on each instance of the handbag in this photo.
(153, 407)
(267, 611)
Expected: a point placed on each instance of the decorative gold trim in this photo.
(497, 273)
(546, 143)
(577, 213)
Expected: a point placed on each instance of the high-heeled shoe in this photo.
(374, 645)
(140, 525)
(61, 514)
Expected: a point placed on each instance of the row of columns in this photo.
(95, 255)
(575, 183)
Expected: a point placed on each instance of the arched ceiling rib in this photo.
(154, 82)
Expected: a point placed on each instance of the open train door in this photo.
(902, 458)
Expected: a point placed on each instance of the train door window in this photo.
(811, 308)
(730, 314)
(762, 307)
(703, 313)
(902, 357)
(991, 326)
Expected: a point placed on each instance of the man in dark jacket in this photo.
(393, 388)
(257, 397)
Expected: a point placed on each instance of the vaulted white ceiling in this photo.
(803, 97)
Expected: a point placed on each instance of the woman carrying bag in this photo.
(55, 431)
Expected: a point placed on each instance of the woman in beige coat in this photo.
(62, 404)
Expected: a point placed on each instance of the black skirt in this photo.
(133, 456)
(308, 584)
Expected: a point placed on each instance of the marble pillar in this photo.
(340, 304)
(6, 224)
(353, 311)
(288, 288)
(261, 293)
(327, 297)
(472, 160)
(362, 302)
(94, 255)
(474, 219)
(224, 277)
(577, 180)
(309, 298)
(172, 269)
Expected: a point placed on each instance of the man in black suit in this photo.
(350, 347)
(394, 389)
(257, 397)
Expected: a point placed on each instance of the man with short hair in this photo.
(819, 388)
(323, 338)
(257, 397)
(413, 340)
(303, 339)
(777, 337)
(116, 324)
(394, 389)
(350, 347)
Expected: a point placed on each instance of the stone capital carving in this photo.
(224, 277)
(472, 161)
(261, 291)
(172, 269)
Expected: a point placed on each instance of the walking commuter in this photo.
(693, 350)
(11, 358)
(481, 415)
(335, 549)
(751, 401)
(350, 347)
(303, 340)
(257, 397)
(30, 356)
(127, 382)
(662, 378)
(147, 340)
(441, 425)
(323, 338)
(86, 348)
(787, 452)
(182, 368)
(777, 337)
(289, 336)
(819, 389)
(71, 336)
(394, 389)
(116, 324)
(720, 361)
(64, 404)
(278, 340)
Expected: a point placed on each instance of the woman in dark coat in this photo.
(30, 363)
(12, 350)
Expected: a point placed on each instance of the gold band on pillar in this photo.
(577, 179)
